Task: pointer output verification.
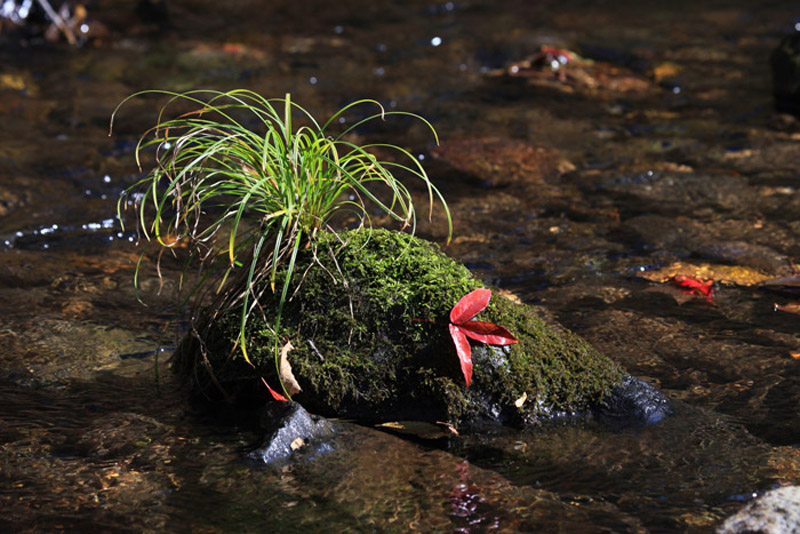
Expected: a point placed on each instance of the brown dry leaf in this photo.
(741, 154)
(665, 70)
(420, 429)
(564, 166)
(287, 377)
(520, 401)
(726, 274)
(448, 427)
(509, 295)
(13, 81)
(792, 307)
(795, 354)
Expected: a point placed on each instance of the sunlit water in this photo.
(96, 435)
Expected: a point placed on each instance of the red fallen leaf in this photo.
(461, 327)
(470, 305)
(488, 333)
(694, 285)
(556, 52)
(463, 350)
(275, 395)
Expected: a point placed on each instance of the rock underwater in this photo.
(359, 354)
(785, 63)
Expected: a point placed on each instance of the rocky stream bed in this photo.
(622, 171)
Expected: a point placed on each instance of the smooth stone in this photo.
(775, 512)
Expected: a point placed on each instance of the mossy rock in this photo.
(359, 354)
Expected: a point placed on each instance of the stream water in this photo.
(581, 191)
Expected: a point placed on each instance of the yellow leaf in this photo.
(12, 81)
(725, 274)
(520, 401)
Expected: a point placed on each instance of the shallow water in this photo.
(581, 199)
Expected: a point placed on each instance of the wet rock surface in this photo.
(498, 161)
(633, 402)
(775, 512)
(290, 431)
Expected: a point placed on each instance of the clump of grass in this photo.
(246, 190)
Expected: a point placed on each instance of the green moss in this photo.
(359, 353)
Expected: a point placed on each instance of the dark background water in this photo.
(581, 194)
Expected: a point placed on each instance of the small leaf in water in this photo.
(447, 426)
(421, 429)
(725, 274)
(792, 307)
(693, 285)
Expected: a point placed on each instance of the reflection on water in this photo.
(90, 454)
(694, 467)
(653, 149)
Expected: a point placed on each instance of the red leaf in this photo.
(461, 327)
(556, 52)
(464, 351)
(488, 333)
(275, 395)
(470, 305)
(694, 285)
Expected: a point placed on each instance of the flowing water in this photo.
(581, 191)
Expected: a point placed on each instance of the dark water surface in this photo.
(581, 194)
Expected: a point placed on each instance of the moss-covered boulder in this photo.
(358, 352)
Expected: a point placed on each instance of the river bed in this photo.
(652, 152)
